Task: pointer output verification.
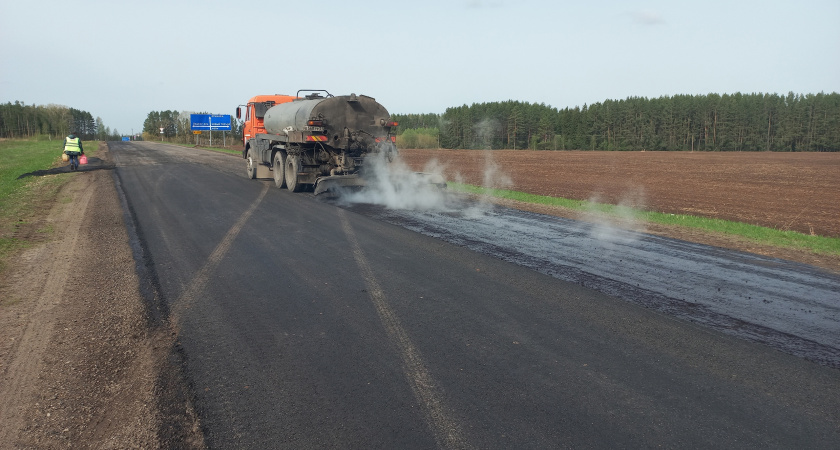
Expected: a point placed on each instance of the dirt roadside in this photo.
(81, 364)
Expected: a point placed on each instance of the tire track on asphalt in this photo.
(21, 374)
(446, 430)
(199, 281)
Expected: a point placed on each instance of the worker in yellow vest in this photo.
(73, 148)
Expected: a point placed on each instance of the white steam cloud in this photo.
(395, 186)
(492, 178)
(484, 132)
(611, 228)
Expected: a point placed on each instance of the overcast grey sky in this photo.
(121, 60)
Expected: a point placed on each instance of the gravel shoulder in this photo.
(80, 362)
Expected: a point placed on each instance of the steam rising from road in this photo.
(493, 178)
(395, 186)
(612, 228)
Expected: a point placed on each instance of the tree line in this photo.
(729, 122)
(176, 127)
(19, 120)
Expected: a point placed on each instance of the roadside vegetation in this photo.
(24, 198)
(419, 138)
(176, 130)
(754, 233)
(21, 121)
(712, 122)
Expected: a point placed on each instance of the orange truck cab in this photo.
(255, 114)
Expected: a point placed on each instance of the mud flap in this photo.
(264, 171)
(337, 182)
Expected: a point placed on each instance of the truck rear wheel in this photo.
(292, 169)
(280, 169)
(251, 166)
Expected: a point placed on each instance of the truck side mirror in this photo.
(238, 112)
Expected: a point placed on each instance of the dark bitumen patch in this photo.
(789, 306)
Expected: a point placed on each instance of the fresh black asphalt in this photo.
(303, 324)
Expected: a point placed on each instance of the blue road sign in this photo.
(210, 122)
(126, 138)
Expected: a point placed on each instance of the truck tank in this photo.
(348, 122)
(318, 141)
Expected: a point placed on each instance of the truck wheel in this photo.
(251, 166)
(292, 169)
(280, 169)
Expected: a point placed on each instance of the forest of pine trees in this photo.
(729, 122)
(736, 122)
(18, 120)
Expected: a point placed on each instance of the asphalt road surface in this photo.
(307, 322)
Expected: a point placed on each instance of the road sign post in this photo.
(210, 122)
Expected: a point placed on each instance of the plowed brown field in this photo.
(786, 191)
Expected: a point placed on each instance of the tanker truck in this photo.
(316, 141)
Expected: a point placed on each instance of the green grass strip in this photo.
(755, 233)
(224, 150)
(20, 194)
(18, 157)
